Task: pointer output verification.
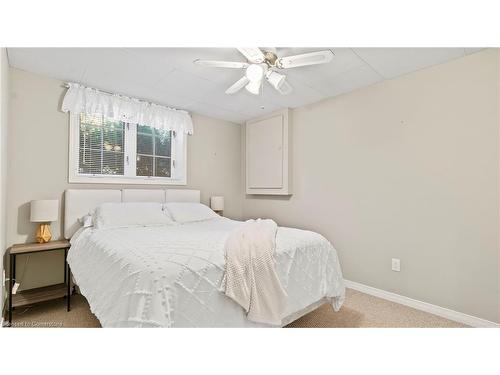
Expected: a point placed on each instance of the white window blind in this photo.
(102, 148)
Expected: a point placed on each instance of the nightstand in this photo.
(31, 296)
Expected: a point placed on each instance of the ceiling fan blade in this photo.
(312, 58)
(253, 54)
(238, 85)
(221, 64)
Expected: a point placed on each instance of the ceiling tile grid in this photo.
(168, 76)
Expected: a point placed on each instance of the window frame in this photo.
(130, 146)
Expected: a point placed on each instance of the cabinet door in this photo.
(265, 153)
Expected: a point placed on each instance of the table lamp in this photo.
(217, 204)
(43, 212)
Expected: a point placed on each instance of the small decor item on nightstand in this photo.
(43, 212)
(217, 204)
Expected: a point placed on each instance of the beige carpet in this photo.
(359, 310)
(362, 310)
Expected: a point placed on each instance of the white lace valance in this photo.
(81, 99)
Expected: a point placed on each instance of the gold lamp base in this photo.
(43, 233)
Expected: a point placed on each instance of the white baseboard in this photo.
(456, 316)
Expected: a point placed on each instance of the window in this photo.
(103, 150)
(154, 152)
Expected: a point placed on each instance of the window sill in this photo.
(125, 180)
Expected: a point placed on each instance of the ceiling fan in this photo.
(263, 64)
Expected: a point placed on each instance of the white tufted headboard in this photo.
(79, 202)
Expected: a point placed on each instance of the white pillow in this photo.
(126, 214)
(184, 212)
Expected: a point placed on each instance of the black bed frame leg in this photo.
(68, 283)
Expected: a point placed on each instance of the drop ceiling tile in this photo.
(242, 101)
(300, 95)
(182, 59)
(178, 57)
(353, 79)
(160, 95)
(263, 111)
(392, 62)
(186, 85)
(66, 64)
(114, 70)
(252, 111)
(217, 112)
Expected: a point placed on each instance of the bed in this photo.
(169, 276)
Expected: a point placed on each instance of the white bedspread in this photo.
(250, 277)
(169, 276)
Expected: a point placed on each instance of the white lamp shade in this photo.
(217, 203)
(43, 211)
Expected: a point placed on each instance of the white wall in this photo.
(409, 169)
(4, 107)
(38, 166)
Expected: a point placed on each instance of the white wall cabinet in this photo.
(268, 151)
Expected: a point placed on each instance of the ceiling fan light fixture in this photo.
(275, 79)
(255, 72)
(254, 87)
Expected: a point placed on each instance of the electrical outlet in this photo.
(396, 264)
